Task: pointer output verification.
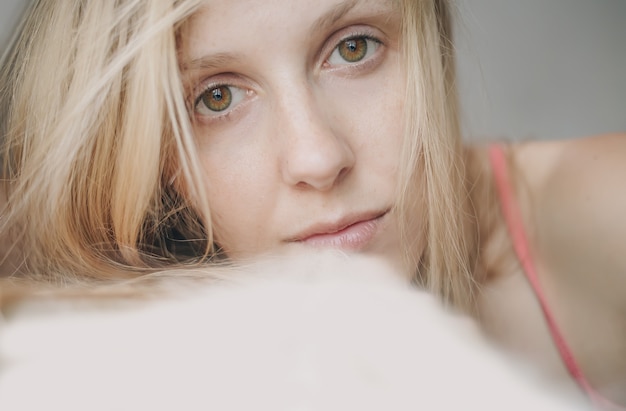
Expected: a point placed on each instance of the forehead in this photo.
(221, 24)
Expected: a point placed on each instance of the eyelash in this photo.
(242, 93)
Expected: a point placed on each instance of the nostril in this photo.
(342, 174)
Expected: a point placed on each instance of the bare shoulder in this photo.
(581, 180)
(577, 192)
(587, 158)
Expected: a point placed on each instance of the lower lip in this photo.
(352, 238)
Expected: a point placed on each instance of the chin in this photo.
(321, 331)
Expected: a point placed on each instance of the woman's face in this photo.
(297, 110)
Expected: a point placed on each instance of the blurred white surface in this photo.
(321, 332)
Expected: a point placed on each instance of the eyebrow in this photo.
(335, 14)
(215, 61)
(212, 61)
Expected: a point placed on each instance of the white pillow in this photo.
(308, 333)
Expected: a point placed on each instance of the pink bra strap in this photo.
(515, 225)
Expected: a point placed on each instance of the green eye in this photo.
(216, 99)
(353, 50)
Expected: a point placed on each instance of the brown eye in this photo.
(216, 99)
(353, 50)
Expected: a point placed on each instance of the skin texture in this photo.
(309, 139)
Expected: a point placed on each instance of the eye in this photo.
(353, 50)
(217, 99)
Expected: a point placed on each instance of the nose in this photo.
(315, 152)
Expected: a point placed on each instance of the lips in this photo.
(349, 233)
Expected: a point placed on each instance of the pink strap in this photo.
(515, 225)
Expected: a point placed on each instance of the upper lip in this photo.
(336, 225)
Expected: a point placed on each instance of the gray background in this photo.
(527, 68)
(542, 68)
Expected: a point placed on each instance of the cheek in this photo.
(237, 180)
(375, 101)
(371, 112)
(234, 220)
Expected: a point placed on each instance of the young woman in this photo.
(147, 135)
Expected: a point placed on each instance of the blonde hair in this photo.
(434, 172)
(94, 126)
(97, 145)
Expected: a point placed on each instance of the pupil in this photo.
(352, 45)
(217, 95)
